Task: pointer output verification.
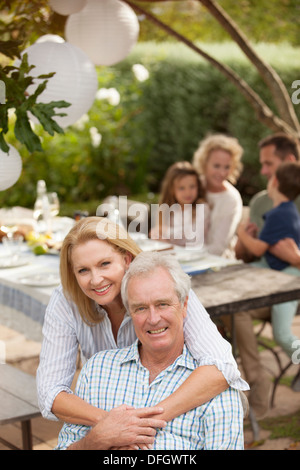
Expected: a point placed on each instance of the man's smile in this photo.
(155, 332)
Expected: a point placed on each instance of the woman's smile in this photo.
(99, 269)
(103, 290)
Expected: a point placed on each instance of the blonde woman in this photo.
(218, 161)
(87, 311)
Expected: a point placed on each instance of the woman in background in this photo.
(218, 161)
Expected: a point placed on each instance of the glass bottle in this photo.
(41, 210)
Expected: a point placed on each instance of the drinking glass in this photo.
(13, 246)
(53, 203)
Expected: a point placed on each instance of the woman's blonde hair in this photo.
(90, 228)
(219, 142)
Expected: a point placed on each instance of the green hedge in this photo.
(157, 122)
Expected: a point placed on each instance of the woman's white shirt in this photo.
(225, 214)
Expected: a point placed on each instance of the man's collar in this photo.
(184, 360)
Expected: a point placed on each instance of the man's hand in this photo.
(123, 426)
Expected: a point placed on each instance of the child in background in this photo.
(183, 217)
(283, 221)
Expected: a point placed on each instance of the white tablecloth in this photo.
(29, 301)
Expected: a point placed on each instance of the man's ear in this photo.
(290, 158)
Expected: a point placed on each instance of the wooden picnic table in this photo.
(18, 402)
(241, 287)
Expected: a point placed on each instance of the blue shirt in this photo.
(281, 222)
(112, 378)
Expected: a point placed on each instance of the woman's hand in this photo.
(123, 427)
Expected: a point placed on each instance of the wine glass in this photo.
(9, 227)
(53, 203)
(13, 246)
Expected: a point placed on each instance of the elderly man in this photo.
(155, 291)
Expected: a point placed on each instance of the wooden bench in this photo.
(18, 402)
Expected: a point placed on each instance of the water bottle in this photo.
(41, 210)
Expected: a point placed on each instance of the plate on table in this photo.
(41, 280)
(12, 263)
(189, 254)
(148, 244)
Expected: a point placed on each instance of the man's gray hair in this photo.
(146, 262)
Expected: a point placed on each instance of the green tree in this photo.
(22, 22)
(13, 27)
(285, 118)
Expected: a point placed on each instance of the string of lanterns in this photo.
(97, 33)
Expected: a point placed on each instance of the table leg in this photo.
(233, 337)
(26, 435)
(254, 425)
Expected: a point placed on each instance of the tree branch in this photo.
(263, 112)
(269, 75)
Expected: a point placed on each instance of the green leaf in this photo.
(24, 132)
(3, 145)
(46, 121)
(10, 48)
(4, 118)
(46, 75)
(44, 112)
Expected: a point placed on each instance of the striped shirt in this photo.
(114, 377)
(64, 331)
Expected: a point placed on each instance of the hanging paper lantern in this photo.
(75, 80)
(49, 37)
(10, 168)
(105, 30)
(67, 7)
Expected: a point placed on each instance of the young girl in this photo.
(183, 217)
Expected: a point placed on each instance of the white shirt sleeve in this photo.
(207, 345)
(226, 212)
(58, 354)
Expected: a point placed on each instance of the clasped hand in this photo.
(127, 428)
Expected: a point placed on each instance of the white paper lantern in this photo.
(105, 30)
(67, 7)
(75, 80)
(10, 168)
(49, 37)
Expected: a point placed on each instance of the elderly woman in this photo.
(218, 160)
(87, 311)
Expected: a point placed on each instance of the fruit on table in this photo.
(40, 249)
(38, 242)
